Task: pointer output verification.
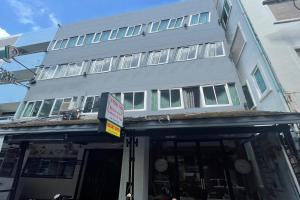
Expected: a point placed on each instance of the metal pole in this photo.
(23, 66)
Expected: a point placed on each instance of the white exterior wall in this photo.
(279, 42)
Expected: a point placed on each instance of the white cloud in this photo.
(3, 33)
(23, 11)
(31, 12)
(53, 19)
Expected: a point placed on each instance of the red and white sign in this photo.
(114, 111)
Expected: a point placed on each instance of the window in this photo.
(51, 45)
(133, 31)
(202, 18)
(260, 82)
(47, 73)
(72, 42)
(113, 34)
(50, 167)
(46, 108)
(215, 95)
(101, 65)
(74, 69)
(283, 9)
(133, 101)
(214, 50)
(248, 96)
(170, 99)
(91, 104)
(158, 57)
(187, 53)
(237, 46)
(61, 71)
(57, 44)
(63, 44)
(32, 109)
(233, 94)
(105, 36)
(130, 61)
(60, 105)
(225, 13)
(191, 97)
(175, 23)
(89, 38)
(121, 33)
(80, 40)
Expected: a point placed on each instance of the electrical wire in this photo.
(297, 7)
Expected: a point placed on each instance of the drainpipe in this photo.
(269, 67)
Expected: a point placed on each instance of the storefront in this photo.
(237, 155)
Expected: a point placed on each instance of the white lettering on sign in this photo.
(114, 111)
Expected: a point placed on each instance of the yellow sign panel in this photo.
(113, 129)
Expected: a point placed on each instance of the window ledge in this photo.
(287, 21)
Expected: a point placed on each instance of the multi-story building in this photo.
(188, 131)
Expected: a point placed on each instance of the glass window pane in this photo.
(74, 69)
(72, 42)
(121, 32)
(172, 23)
(139, 100)
(137, 30)
(163, 25)
(28, 109)
(204, 17)
(192, 52)
(113, 34)
(106, 65)
(117, 96)
(88, 38)
(63, 44)
(219, 49)
(128, 101)
(260, 81)
(154, 58)
(60, 71)
(179, 22)
(175, 98)
(130, 31)
(155, 27)
(135, 60)
(105, 35)
(97, 37)
(36, 108)
(233, 94)
(96, 104)
(164, 99)
(248, 97)
(80, 40)
(154, 100)
(125, 62)
(97, 66)
(65, 105)
(57, 44)
(48, 72)
(221, 94)
(195, 19)
(209, 96)
(88, 105)
(163, 56)
(46, 108)
(56, 107)
(211, 50)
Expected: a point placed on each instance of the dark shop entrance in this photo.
(102, 175)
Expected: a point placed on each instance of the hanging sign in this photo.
(111, 114)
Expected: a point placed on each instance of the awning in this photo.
(215, 124)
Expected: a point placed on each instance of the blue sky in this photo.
(19, 16)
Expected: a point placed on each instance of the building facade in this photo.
(188, 130)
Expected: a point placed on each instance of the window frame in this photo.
(93, 40)
(93, 63)
(181, 24)
(170, 108)
(141, 26)
(238, 27)
(215, 56)
(208, 21)
(84, 102)
(224, 11)
(82, 44)
(51, 115)
(133, 92)
(202, 97)
(260, 94)
(196, 53)
(22, 117)
(251, 95)
(159, 51)
(131, 55)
